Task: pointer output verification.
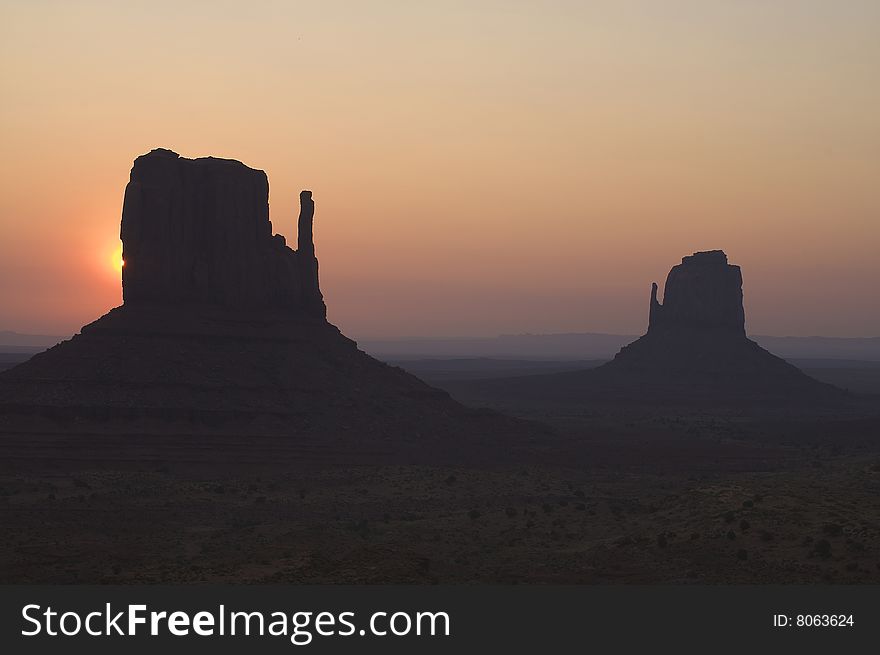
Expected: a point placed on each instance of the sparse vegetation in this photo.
(822, 548)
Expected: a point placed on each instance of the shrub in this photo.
(832, 529)
(823, 548)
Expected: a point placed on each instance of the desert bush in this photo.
(832, 529)
(823, 548)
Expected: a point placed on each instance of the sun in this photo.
(116, 259)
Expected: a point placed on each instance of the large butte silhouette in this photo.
(223, 329)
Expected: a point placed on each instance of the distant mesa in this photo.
(223, 324)
(694, 353)
(699, 329)
(696, 342)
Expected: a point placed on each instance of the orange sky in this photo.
(478, 167)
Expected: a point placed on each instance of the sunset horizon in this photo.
(519, 170)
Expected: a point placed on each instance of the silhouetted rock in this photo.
(695, 353)
(700, 327)
(223, 330)
(703, 293)
(697, 336)
(197, 231)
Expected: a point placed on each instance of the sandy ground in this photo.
(654, 500)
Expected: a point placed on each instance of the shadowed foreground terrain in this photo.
(651, 500)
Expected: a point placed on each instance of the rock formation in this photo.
(696, 341)
(197, 231)
(224, 326)
(700, 326)
(695, 353)
(703, 293)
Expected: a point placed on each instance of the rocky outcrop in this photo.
(696, 343)
(695, 355)
(700, 326)
(223, 331)
(703, 293)
(197, 231)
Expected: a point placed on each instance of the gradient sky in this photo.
(478, 167)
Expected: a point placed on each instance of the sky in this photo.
(478, 167)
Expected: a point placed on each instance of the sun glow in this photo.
(116, 260)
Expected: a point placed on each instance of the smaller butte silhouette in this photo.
(695, 353)
(699, 330)
(223, 330)
(696, 348)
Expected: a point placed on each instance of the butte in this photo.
(694, 354)
(221, 347)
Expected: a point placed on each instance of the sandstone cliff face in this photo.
(197, 231)
(703, 293)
